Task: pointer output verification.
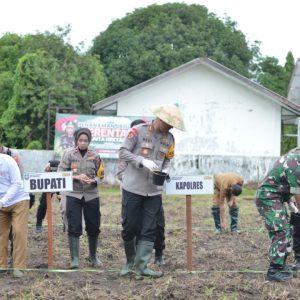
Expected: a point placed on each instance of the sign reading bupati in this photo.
(48, 182)
(108, 133)
(190, 185)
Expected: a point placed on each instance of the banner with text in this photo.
(108, 133)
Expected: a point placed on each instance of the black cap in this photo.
(236, 189)
(137, 122)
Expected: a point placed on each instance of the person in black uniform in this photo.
(42, 209)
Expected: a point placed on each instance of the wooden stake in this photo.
(50, 231)
(189, 249)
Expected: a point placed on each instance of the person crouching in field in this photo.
(226, 186)
(281, 183)
(87, 170)
(14, 211)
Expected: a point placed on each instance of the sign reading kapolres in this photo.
(108, 132)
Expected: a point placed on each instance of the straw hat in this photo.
(170, 114)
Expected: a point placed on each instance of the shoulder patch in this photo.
(170, 153)
(132, 133)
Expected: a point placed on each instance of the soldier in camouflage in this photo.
(281, 183)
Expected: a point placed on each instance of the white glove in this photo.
(149, 164)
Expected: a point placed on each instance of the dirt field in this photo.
(227, 266)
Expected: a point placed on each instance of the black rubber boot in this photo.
(234, 215)
(142, 258)
(74, 251)
(296, 265)
(279, 273)
(38, 228)
(130, 251)
(93, 245)
(215, 210)
(160, 260)
(295, 221)
(3, 272)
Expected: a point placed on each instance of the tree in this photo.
(155, 39)
(90, 83)
(6, 89)
(47, 71)
(24, 120)
(274, 76)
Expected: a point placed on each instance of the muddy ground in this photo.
(227, 266)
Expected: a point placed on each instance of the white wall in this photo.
(222, 116)
(253, 169)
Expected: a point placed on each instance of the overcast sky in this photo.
(274, 23)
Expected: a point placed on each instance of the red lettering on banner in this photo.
(107, 132)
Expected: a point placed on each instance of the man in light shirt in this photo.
(14, 209)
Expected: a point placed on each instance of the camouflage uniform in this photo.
(281, 182)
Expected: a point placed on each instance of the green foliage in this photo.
(24, 120)
(6, 89)
(35, 145)
(11, 49)
(288, 142)
(274, 76)
(277, 78)
(155, 39)
(38, 70)
(90, 83)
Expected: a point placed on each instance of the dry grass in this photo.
(221, 262)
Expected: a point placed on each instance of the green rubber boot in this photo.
(215, 210)
(234, 215)
(74, 251)
(130, 251)
(95, 262)
(142, 258)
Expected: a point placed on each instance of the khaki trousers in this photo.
(16, 216)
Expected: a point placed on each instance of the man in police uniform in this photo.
(148, 147)
(159, 244)
(226, 186)
(281, 183)
(51, 166)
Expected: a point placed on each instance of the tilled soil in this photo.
(226, 266)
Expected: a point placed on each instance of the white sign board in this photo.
(190, 185)
(48, 182)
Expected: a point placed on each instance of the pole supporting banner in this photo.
(50, 231)
(189, 249)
